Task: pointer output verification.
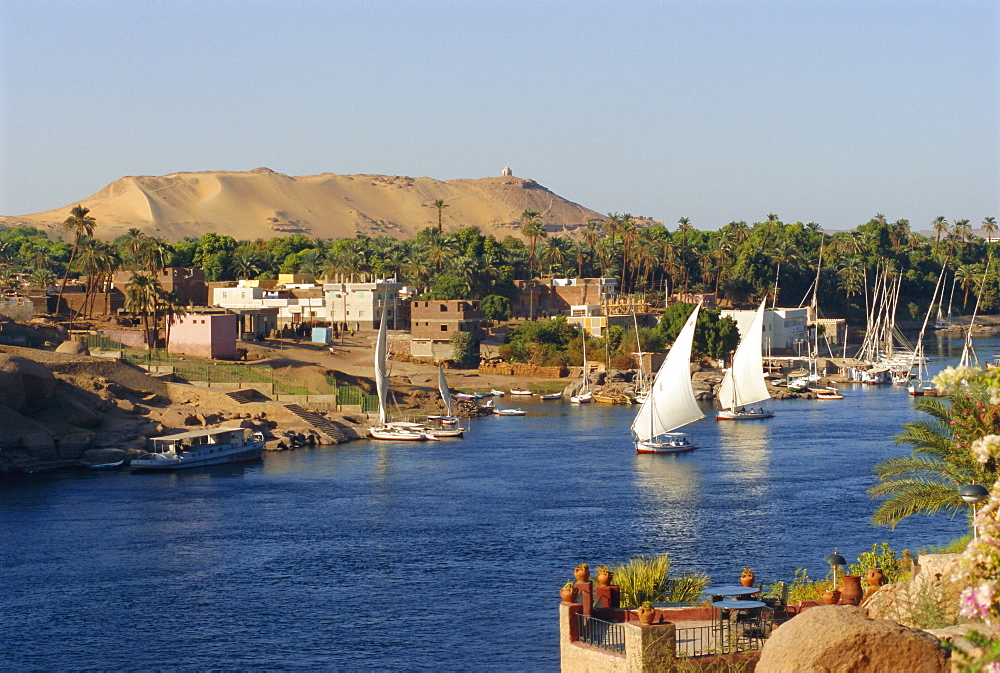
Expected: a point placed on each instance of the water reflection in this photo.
(745, 443)
(670, 491)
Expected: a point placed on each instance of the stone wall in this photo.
(522, 369)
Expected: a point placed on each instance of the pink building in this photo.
(205, 335)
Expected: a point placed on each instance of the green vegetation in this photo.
(740, 261)
(943, 460)
(647, 578)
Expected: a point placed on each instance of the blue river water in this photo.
(437, 555)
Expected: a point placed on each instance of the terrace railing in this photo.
(726, 637)
(597, 632)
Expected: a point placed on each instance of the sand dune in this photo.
(265, 204)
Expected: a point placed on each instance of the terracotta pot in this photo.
(582, 573)
(646, 615)
(850, 590)
(568, 594)
(747, 580)
(875, 577)
(831, 597)
(604, 578)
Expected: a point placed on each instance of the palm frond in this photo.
(917, 498)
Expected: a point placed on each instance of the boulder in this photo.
(73, 348)
(73, 445)
(25, 385)
(930, 596)
(75, 411)
(845, 638)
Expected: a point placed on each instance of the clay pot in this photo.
(747, 580)
(582, 573)
(850, 590)
(568, 594)
(646, 615)
(831, 597)
(875, 577)
(604, 578)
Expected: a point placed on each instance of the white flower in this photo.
(986, 447)
(952, 377)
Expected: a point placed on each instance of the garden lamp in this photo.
(974, 494)
(835, 560)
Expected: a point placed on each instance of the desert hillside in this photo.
(265, 204)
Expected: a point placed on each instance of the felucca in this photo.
(743, 383)
(670, 403)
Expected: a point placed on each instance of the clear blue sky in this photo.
(826, 111)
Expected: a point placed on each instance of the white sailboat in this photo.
(743, 383)
(584, 396)
(641, 383)
(670, 403)
(447, 425)
(922, 384)
(399, 431)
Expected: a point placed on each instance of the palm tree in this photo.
(928, 480)
(630, 234)
(963, 230)
(990, 227)
(81, 224)
(965, 276)
(142, 295)
(440, 205)
(940, 226)
(533, 229)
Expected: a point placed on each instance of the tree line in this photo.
(739, 261)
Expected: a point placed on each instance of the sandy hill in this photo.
(265, 204)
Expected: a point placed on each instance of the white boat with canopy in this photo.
(670, 403)
(199, 448)
(743, 383)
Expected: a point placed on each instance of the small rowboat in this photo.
(508, 412)
(551, 396)
(107, 467)
(517, 391)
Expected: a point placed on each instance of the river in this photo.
(436, 555)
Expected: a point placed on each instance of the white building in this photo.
(295, 305)
(360, 305)
(784, 328)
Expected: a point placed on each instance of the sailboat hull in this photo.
(665, 444)
(733, 415)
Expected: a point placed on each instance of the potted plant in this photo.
(582, 572)
(646, 613)
(747, 577)
(604, 575)
(568, 592)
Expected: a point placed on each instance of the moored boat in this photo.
(508, 412)
(551, 396)
(199, 448)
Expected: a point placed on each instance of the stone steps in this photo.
(321, 423)
(245, 395)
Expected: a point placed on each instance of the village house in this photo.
(360, 306)
(433, 322)
(544, 297)
(784, 328)
(204, 334)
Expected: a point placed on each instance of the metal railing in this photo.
(600, 633)
(726, 637)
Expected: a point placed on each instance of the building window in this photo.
(444, 328)
(443, 308)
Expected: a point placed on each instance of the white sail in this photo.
(744, 382)
(445, 393)
(670, 403)
(382, 371)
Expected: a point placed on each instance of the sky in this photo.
(815, 110)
